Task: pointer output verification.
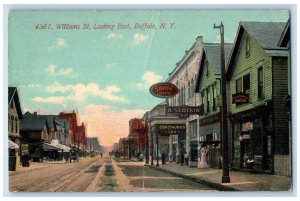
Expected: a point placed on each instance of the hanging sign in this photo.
(240, 98)
(170, 129)
(164, 90)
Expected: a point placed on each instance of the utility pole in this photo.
(225, 177)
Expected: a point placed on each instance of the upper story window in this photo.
(260, 82)
(202, 97)
(247, 46)
(243, 85)
(207, 70)
(207, 100)
(193, 128)
(189, 90)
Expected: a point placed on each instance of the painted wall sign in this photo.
(163, 90)
(170, 129)
(240, 98)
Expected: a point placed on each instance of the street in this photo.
(98, 174)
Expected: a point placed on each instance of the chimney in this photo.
(199, 39)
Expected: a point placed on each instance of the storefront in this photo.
(253, 139)
(210, 137)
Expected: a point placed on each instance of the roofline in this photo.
(184, 59)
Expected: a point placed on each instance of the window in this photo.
(246, 84)
(207, 100)
(12, 124)
(16, 124)
(214, 98)
(193, 128)
(239, 85)
(207, 70)
(189, 90)
(247, 46)
(202, 97)
(260, 83)
(243, 86)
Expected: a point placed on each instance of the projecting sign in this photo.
(163, 90)
(240, 98)
(170, 129)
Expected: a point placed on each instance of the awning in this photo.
(50, 147)
(12, 145)
(63, 147)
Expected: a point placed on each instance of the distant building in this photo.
(14, 117)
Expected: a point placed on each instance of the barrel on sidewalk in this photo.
(12, 163)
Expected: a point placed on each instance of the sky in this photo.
(102, 72)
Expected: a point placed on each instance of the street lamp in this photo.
(225, 177)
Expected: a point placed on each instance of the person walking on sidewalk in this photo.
(182, 157)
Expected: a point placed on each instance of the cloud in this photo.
(52, 99)
(149, 78)
(53, 70)
(114, 36)
(58, 44)
(108, 123)
(139, 38)
(80, 92)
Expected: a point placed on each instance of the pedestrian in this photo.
(101, 155)
(163, 158)
(182, 157)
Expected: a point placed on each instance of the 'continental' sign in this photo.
(240, 98)
(170, 129)
(163, 90)
(185, 111)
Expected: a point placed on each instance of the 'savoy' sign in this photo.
(163, 90)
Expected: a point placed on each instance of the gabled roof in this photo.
(212, 52)
(266, 34)
(14, 95)
(32, 122)
(285, 36)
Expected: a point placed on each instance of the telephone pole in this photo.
(225, 177)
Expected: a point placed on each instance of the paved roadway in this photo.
(100, 175)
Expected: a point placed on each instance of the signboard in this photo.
(248, 126)
(170, 129)
(185, 111)
(240, 98)
(163, 90)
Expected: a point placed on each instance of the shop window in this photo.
(260, 83)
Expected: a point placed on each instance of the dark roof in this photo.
(32, 122)
(285, 36)
(212, 52)
(14, 95)
(267, 35)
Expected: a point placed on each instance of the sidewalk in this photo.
(239, 181)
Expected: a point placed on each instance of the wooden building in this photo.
(258, 77)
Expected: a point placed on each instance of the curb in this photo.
(217, 186)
